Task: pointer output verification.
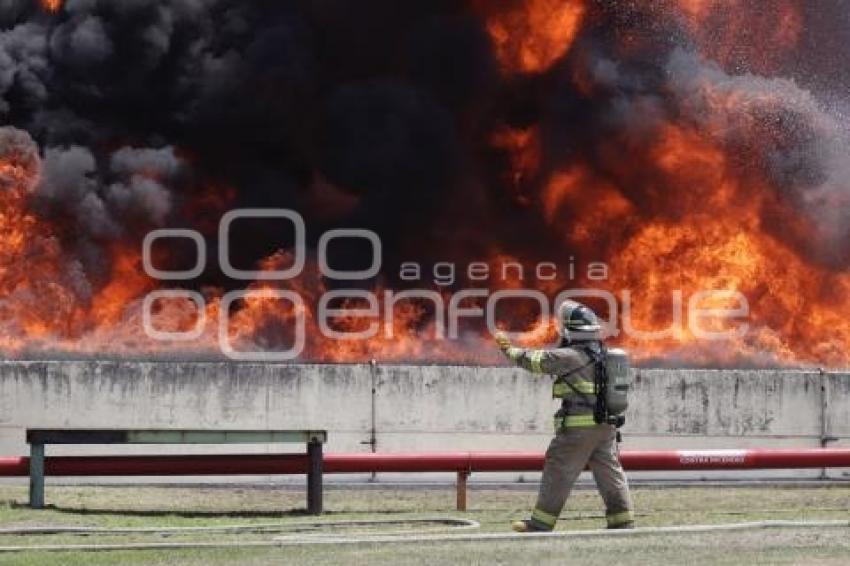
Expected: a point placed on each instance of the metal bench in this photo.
(314, 439)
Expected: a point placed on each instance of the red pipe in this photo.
(271, 464)
(435, 462)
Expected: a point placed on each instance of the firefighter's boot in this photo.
(530, 526)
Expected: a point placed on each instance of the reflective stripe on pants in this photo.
(543, 518)
(617, 519)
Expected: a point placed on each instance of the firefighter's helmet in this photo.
(578, 322)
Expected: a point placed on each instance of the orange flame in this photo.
(531, 36)
(51, 6)
(713, 241)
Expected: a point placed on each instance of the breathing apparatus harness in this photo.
(598, 357)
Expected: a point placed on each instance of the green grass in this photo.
(172, 507)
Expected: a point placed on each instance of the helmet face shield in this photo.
(578, 323)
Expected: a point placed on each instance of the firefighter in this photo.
(579, 440)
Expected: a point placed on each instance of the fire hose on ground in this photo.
(407, 537)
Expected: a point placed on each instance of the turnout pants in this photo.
(569, 452)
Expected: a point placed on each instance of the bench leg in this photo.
(462, 476)
(314, 478)
(37, 476)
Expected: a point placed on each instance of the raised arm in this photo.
(553, 362)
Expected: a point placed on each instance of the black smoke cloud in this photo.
(791, 130)
(107, 201)
(382, 105)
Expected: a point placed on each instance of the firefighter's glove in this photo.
(503, 342)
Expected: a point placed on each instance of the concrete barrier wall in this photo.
(411, 408)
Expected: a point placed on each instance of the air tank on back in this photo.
(619, 381)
